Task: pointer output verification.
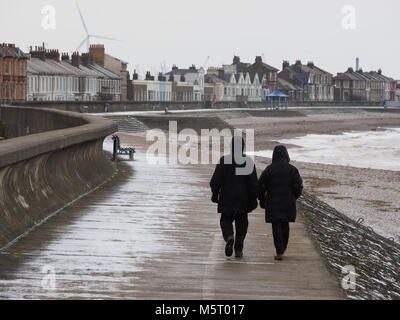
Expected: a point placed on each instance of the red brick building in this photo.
(13, 75)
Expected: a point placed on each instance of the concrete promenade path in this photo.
(152, 233)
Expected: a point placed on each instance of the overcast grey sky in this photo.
(183, 32)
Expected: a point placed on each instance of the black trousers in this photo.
(281, 231)
(241, 224)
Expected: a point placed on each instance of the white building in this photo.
(190, 77)
(232, 86)
(52, 79)
(48, 80)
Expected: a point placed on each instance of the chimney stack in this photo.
(76, 59)
(39, 53)
(258, 60)
(53, 55)
(64, 56)
(97, 51)
(161, 77)
(221, 73)
(87, 59)
(298, 65)
(357, 64)
(236, 59)
(149, 76)
(285, 64)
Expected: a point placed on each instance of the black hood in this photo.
(237, 155)
(280, 153)
(238, 142)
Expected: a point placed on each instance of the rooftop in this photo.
(10, 51)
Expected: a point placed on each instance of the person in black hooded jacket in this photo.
(280, 185)
(234, 187)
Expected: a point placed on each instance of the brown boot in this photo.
(279, 257)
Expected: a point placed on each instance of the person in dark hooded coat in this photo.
(280, 185)
(234, 187)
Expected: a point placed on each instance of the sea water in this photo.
(363, 149)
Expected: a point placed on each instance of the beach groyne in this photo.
(48, 159)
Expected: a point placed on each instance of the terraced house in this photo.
(315, 82)
(267, 75)
(13, 64)
(364, 86)
(187, 79)
(75, 79)
(117, 66)
(151, 89)
(230, 85)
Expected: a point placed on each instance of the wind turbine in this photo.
(163, 67)
(205, 64)
(88, 35)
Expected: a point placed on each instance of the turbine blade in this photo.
(105, 38)
(82, 43)
(83, 21)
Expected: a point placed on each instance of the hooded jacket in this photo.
(280, 185)
(234, 183)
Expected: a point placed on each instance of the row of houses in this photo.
(47, 75)
(181, 85)
(357, 85)
(255, 82)
(239, 81)
(52, 77)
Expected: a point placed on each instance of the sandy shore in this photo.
(373, 195)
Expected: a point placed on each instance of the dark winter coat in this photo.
(232, 190)
(280, 186)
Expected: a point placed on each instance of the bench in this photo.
(118, 150)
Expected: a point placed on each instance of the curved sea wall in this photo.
(121, 106)
(49, 159)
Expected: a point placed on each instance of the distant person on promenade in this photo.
(280, 186)
(234, 187)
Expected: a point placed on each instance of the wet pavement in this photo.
(152, 233)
